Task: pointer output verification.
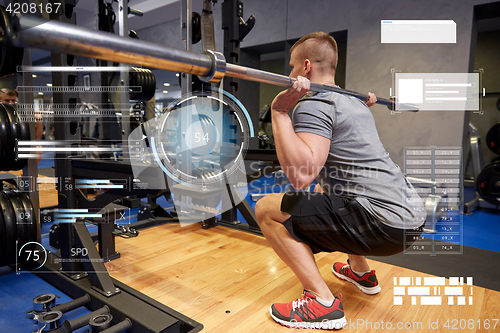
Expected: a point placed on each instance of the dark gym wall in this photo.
(268, 91)
(369, 63)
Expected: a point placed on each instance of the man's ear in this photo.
(307, 67)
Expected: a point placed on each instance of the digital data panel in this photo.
(436, 175)
(439, 91)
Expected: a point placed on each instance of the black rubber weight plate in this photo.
(22, 228)
(5, 140)
(134, 82)
(9, 218)
(152, 85)
(493, 139)
(31, 227)
(3, 241)
(487, 183)
(25, 130)
(142, 82)
(15, 132)
(6, 51)
(23, 133)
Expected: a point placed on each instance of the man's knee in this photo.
(261, 208)
(266, 206)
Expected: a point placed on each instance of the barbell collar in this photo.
(217, 69)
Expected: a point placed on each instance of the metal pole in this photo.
(56, 36)
(124, 73)
(185, 154)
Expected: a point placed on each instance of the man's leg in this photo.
(357, 263)
(297, 255)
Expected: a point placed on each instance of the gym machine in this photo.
(485, 179)
(80, 274)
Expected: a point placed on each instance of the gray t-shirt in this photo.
(358, 165)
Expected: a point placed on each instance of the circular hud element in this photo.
(202, 137)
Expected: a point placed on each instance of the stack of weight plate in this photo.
(144, 78)
(19, 230)
(12, 129)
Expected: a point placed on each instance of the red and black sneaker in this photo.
(367, 283)
(307, 312)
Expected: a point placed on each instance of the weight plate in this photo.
(488, 184)
(34, 228)
(144, 78)
(5, 141)
(195, 27)
(9, 218)
(143, 81)
(15, 127)
(152, 86)
(133, 82)
(145, 84)
(19, 213)
(25, 136)
(200, 136)
(136, 82)
(10, 56)
(25, 128)
(3, 241)
(493, 139)
(6, 47)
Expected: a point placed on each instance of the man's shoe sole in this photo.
(325, 324)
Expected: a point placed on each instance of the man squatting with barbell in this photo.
(362, 203)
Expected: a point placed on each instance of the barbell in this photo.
(210, 66)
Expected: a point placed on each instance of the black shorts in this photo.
(328, 223)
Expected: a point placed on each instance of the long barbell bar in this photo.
(30, 31)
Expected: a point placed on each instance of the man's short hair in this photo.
(322, 51)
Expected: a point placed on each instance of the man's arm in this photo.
(301, 155)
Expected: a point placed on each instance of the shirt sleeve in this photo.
(313, 116)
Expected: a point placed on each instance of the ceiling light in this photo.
(40, 93)
(177, 74)
(34, 75)
(166, 84)
(165, 91)
(49, 84)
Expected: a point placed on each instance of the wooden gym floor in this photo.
(227, 279)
